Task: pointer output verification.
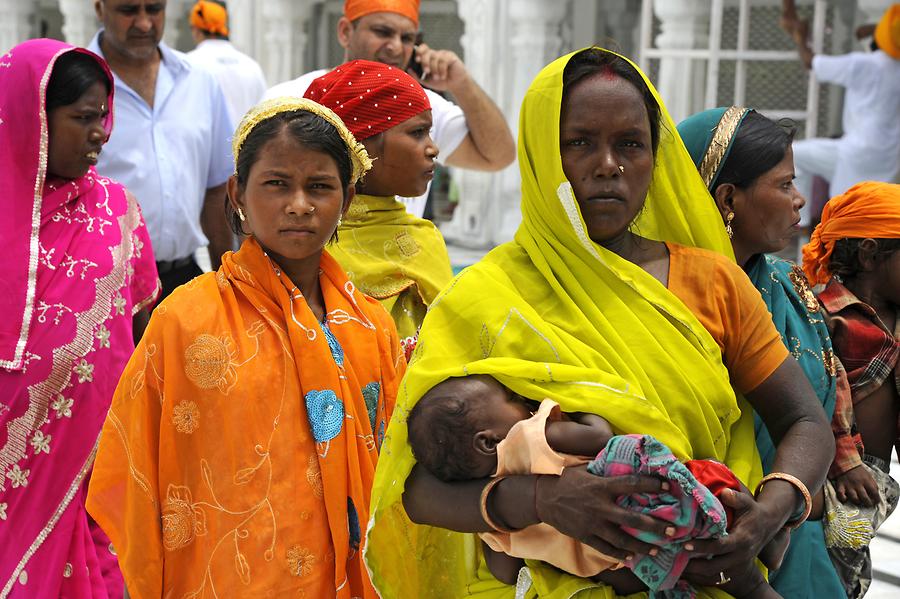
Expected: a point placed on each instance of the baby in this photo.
(473, 427)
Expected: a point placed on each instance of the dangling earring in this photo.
(340, 220)
(241, 215)
(728, 228)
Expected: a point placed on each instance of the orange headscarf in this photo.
(887, 33)
(866, 210)
(354, 9)
(210, 17)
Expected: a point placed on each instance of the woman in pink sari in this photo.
(76, 269)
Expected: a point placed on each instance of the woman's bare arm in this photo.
(804, 445)
(577, 503)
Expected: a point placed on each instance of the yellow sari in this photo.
(391, 255)
(554, 315)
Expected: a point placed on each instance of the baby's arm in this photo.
(584, 434)
(505, 568)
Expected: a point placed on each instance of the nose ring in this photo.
(311, 210)
(621, 169)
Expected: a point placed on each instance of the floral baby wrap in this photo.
(688, 506)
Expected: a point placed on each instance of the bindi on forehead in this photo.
(608, 74)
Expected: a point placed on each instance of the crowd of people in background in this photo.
(634, 396)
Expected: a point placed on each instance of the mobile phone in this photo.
(412, 65)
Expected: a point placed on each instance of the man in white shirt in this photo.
(171, 142)
(471, 134)
(869, 149)
(240, 77)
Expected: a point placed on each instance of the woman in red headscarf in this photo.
(395, 257)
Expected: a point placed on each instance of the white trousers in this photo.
(842, 165)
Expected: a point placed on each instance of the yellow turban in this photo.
(867, 209)
(210, 17)
(354, 9)
(887, 33)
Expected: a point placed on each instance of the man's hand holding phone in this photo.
(441, 70)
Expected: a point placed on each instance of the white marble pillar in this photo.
(282, 24)
(684, 25)
(79, 21)
(177, 12)
(242, 25)
(506, 43)
(16, 25)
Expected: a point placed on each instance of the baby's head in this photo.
(456, 426)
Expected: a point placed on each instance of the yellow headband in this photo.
(359, 158)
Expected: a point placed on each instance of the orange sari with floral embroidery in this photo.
(239, 453)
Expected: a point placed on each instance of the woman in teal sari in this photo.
(747, 164)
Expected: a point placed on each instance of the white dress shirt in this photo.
(170, 154)
(240, 77)
(448, 128)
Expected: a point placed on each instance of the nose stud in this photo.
(621, 169)
(311, 210)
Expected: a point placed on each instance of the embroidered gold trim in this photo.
(149, 299)
(64, 357)
(48, 528)
(721, 139)
(34, 246)
(41, 393)
(265, 110)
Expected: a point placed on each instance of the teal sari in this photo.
(807, 571)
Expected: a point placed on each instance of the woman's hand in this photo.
(754, 525)
(583, 506)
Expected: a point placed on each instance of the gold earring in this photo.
(621, 169)
(728, 229)
(241, 215)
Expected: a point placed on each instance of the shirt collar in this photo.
(835, 297)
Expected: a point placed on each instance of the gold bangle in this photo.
(485, 493)
(798, 484)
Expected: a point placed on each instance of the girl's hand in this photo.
(857, 486)
(583, 506)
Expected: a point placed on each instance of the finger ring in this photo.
(723, 579)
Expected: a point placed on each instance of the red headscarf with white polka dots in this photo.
(370, 97)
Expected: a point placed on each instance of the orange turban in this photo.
(210, 17)
(866, 210)
(887, 33)
(354, 9)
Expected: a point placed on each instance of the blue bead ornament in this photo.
(370, 394)
(326, 414)
(337, 352)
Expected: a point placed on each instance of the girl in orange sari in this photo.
(238, 456)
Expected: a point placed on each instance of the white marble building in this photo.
(700, 53)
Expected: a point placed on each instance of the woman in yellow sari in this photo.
(391, 255)
(238, 456)
(589, 308)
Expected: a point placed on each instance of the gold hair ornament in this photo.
(359, 158)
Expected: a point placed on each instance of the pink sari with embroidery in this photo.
(76, 266)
